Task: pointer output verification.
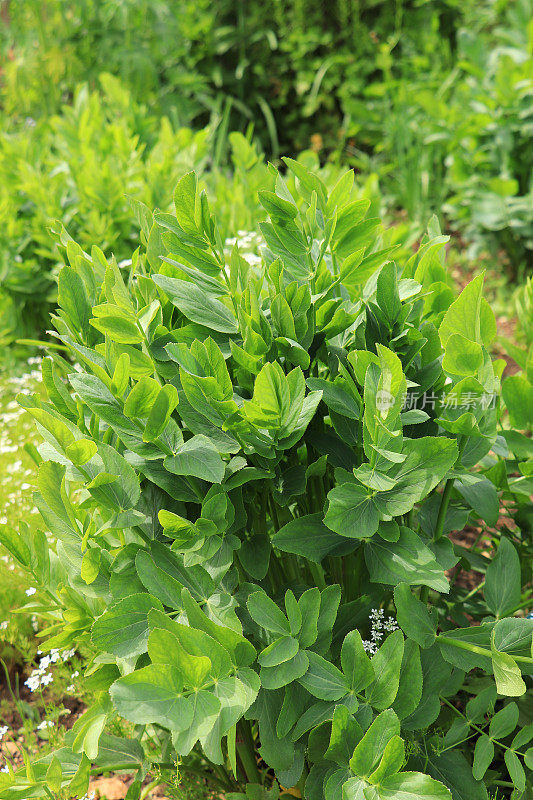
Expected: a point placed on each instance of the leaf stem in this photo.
(445, 498)
(246, 750)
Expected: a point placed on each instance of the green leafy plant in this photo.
(245, 464)
(78, 169)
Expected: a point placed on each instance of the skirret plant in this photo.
(253, 474)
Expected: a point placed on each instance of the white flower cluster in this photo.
(46, 723)
(40, 676)
(379, 626)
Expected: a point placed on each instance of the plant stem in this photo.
(246, 750)
(147, 789)
(318, 574)
(445, 499)
(482, 651)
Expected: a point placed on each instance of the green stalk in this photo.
(318, 574)
(445, 498)
(482, 651)
(246, 751)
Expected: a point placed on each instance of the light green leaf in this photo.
(198, 458)
(153, 694)
(123, 628)
(507, 675)
(196, 305)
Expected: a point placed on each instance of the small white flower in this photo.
(46, 723)
(31, 591)
(75, 674)
(3, 730)
(71, 688)
(4, 769)
(4, 625)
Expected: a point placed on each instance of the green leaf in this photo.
(72, 298)
(483, 755)
(54, 775)
(308, 536)
(462, 356)
(387, 296)
(123, 628)
(368, 752)
(391, 762)
(504, 721)
(507, 675)
(279, 651)
(15, 544)
(409, 695)
(164, 404)
(185, 202)
(410, 786)
(157, 581)
(352, 511)
(141, 398)
(285, 673)
(464, 315)
(206, 708)
(516, 770)
(481, 495)
(198, 458)
(267, 614)
(452, 768)
(355, 662)
(309, 604)
(119, 327)
(502, 580)
(153, 694)
(116, 750)
(89, 727)
(81, 451)
(345, 735)
(323, 679)
(386, 664)
(413, 616)
(517, 393)
(90, 565)
(513, 634)
(408, 561)
(196, 305)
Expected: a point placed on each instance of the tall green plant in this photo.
(244, 464)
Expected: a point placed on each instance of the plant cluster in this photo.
(458, 140)
(253, 474)
(78, 169)
(281, 64)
